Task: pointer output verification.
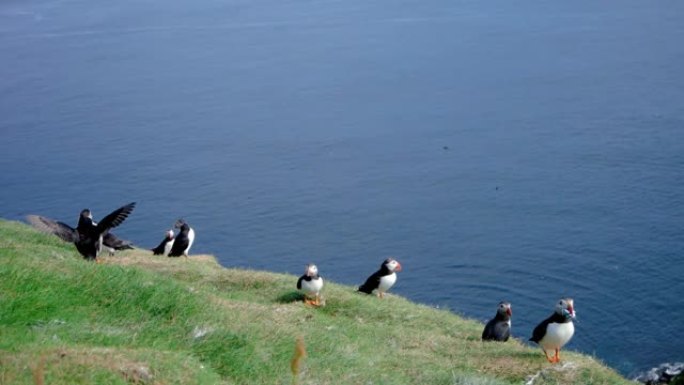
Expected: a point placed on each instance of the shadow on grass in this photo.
(292, 296)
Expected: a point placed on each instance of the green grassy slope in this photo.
(138, 318)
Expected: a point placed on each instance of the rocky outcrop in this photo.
(663, 374)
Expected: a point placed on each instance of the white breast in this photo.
(191, 238)
(557, 335)
(312, 287)
(386, 282)
(100, 242)
(168, 246)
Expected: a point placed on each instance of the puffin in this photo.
(183, 241)
(554, 332)
(383, 279)
(165, 245)
(499, 327)
(310, 283)
(88, 235)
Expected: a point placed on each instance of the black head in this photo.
(311, 270)
(179, 223)
(391, 264)
(504, 310)
(85, 220)
(566, 308)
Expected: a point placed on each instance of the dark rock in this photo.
(649, 378)
(137, 373)
(679, 380)
(674, 369)
(663, 374)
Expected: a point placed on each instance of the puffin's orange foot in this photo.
(550, 359)
(317, 301)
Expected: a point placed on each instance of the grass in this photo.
(143, 319)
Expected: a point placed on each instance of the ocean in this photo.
(517, 151)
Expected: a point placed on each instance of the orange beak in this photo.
(398, 267)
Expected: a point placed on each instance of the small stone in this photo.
(201, 331)
(137, 374)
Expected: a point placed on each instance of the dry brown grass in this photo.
(39, 371)
(297, 358)
(144, 258)
(78, 364)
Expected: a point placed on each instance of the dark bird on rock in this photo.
(183, 241)
(383, 279)
(165, 246)
(499, 327)
(88, 235)
(555, 331)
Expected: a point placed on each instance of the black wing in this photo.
(47, 225)
(299, 282)
(539, 332)
(488, 332)
(115, 218)
(179, 245)
(159, 250)
(113, 242)
(372, 283)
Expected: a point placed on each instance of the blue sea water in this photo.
(499, 150)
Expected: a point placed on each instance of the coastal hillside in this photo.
(142, 319)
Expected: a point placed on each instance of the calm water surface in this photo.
(500, 150)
